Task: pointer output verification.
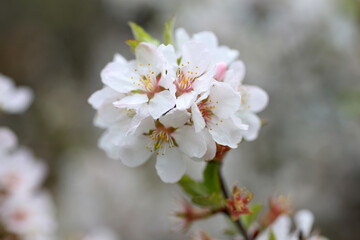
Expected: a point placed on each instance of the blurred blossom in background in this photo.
(304, 53)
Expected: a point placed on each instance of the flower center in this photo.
(148, 82)
(185, 78)
(160, 139)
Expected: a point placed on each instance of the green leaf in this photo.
(211, 177)
(141, 35)
(133, 44)
(192, 187)
(169, 32)
(272, 236)
(250, 218)
(215, 200)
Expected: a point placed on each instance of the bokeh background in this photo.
(304, 53)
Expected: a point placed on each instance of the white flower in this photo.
(12, 99)
(281, 228)
(8, 140)
(20, 173)
(253, 100)
(142, 81)
(169, 138)
(219, 54)
(215, 110)
(30, 216)
(193, 75)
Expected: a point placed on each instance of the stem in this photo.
(238, 223)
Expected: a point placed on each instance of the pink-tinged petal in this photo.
(190, 142)
(120, 77)
(104, 95)
(133, 151)
(224, 99)
(253, 122)
(256, 99)
(175, 118)
(161, 103)
(149, 59)
(235, 75)
(220, 71)
(132, 101)
(197, 118)
(225, 132)
(185, 100)
(19, 100)
(8, 139)
(172, 165)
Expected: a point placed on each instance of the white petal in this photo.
(304, 220)
(256, 99)
(108, 114)
(120, 77)
(181, 37)
(225, 100)
(161, 103)
(190, 142)
(119, 58)
(175, 118)
(185, 100)
(196, 58)
(225, 54)
(132, 101)
(197, 118)
(133, 151)
(235, 75)
(253, 122)
(281, 227)
(137, 120)
(149, 59)
(210, 146)
(101, 96)
(168, 52)
(225, 132)
(19, 100)
(208, 38)
(172, 165)
(8, 139)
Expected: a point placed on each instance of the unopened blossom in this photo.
(142, 81)
(219, 54)
(20, 172)
(238, 203)
(169, 138)
(253, 100)
(29, 216)
(278, 205)
(13, 99)
(281, 229)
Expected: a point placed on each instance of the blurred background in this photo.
(304, 53)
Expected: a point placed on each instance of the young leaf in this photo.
(141, 35)
(169, 32)
(215, 200)
(249, 219)
(211, 177)
(192, 187)
(133, 44)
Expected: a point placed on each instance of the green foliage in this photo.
(272, 236)
(247, 220)
(133, 44)
(141, 35)
(168, 33)
(205, 193)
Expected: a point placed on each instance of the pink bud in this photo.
(220, 71)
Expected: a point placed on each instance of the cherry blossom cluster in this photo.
(178, 102)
